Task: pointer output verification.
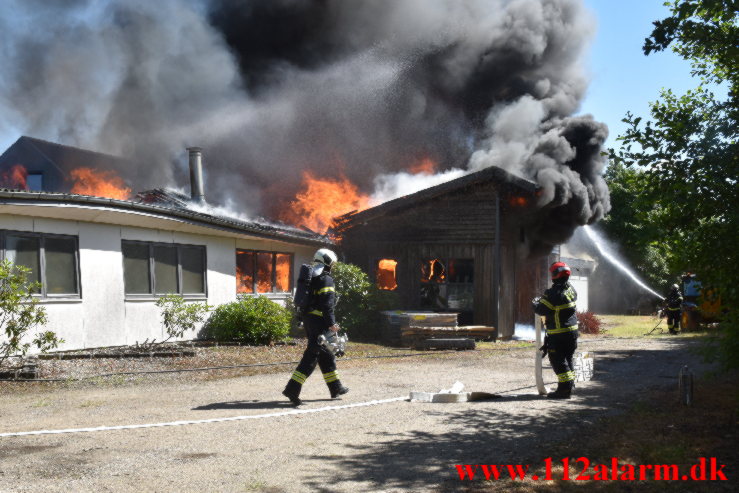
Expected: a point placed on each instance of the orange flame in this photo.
(15, 177)
(282, 273)
(425, 166)
(517, 201)
(244, 272)
(88, 181)
(322, 200)
(386, 274)
(264, 272)
(434, 271)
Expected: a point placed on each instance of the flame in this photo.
(264, 272)
(321, 200)
(88, 181)
(282, 272)
(517, 201)
(244, 272)
(386, 274)
(435, 271)
(425, 166)
(15, 177)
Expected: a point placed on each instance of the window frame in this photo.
(152, 274)
(44, 294)
(274, 254)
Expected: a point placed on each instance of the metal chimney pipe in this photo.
(196, 174)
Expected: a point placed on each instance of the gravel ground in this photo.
(393, 447)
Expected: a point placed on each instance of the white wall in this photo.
(580, 283)
(103, 316)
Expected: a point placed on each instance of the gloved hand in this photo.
(544, 349)
(535, 302)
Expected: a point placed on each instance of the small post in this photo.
(685, 385)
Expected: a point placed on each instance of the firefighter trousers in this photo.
(561, 348)
(315, 354)
(673, 320)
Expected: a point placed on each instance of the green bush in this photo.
(360, 301)
(20, 313)
(253, 320)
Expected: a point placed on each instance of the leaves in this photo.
(684, 162)
(20, 313)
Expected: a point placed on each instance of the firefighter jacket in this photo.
(558, 307)
(323, 298)
(674, 301)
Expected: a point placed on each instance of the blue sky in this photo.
(623, 78)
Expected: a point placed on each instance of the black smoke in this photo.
(352, 87)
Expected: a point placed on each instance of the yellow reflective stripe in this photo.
(562, 330)
(674, 309)
(299, 377)
(546, 303)
(566, 376)
(568, 305)
(325, 290)
(331, 376)
(316, 312)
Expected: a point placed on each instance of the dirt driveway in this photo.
(392, 446)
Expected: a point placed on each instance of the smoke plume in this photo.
(340, 87)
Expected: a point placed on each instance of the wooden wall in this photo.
(458, 225)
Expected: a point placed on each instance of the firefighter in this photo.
(557, 305)
(318, 318)
(673, 309)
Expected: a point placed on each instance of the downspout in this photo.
(496, 272)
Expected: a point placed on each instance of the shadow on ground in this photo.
(254, 405)
(502, 432)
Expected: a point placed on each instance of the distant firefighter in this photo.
(673, 309)
(557, 305)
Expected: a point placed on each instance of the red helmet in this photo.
(559, 270)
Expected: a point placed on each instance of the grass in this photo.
(638, 326)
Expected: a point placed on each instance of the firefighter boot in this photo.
(337, 389)
(292, 392)
(564, 391)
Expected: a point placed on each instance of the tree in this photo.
(20, 313)
(634, 220)
(688, 151)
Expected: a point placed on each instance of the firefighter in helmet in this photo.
(318, 318)
(673, 308)
(557, 305)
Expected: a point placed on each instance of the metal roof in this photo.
(259, 228)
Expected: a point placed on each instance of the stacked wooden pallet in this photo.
(411, 328)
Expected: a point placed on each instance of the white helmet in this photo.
(325, 256)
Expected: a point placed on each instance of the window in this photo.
(35, 181)
(162, 268)
(386, 274)
(447, 284)
(53, 260)
(263, 272)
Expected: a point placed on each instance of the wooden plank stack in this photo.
(411, 328)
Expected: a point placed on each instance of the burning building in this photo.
(461, 247)
(103, 259)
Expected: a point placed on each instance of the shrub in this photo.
(360, 301)
(589, 323)
(179, 317)
(253, 320)
(19, 313)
